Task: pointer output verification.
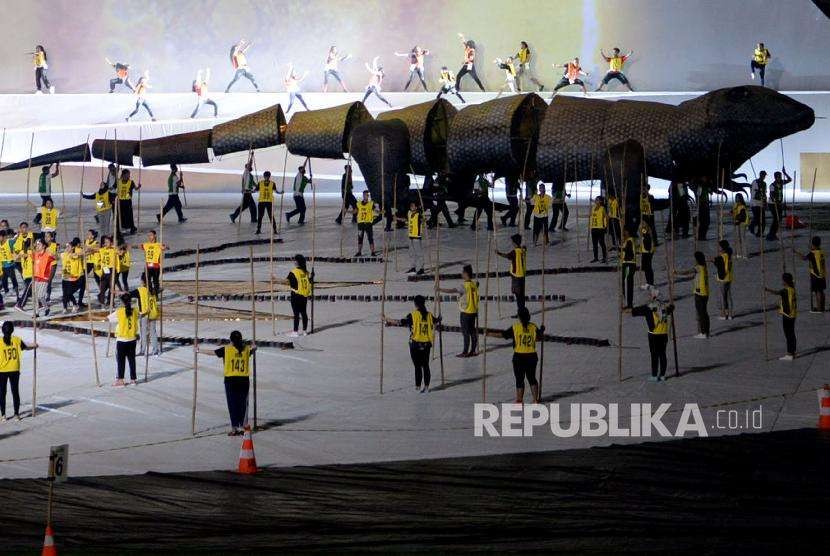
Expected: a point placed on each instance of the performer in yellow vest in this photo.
(518, 269)
(153, 259)
(126, 335)
(301, 282)
(760, 58)
(788, 309)
(740, 218)
(48, 217)
(657, 316)
(148, 317)
(415, 231)
(421, 325)
(525, 334)
(614, 221)
(103, 208)
(124, 189)
(468, 301)
(236, 362)
(817, 262)
(367, 212)
(701, 291)
(266, 187)
(599, 223)
(11, 354)
(541, 213)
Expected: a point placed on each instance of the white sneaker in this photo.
(2, 418)
(52, 90)
(787, 357)
(303, 333)
(38, 92)
(701, 336)
(752, 75)
(424, 389)
(644, 287)
(293, 334)
(721, 317)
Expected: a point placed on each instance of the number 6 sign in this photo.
(59, 463)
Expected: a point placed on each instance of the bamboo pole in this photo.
(116, 228)
(437, 295)
(343, 196)
(271, 274)
(385, 263)
(195, 351)
(147, 339)
(89, 309)
(282, 188)
(63, 212)
(34, 339)
(80, 205)
(3, 146)
(792, 224)
(161, 280)
(542, 346)
(140, 166)
(810, 218)
(486, 322)
(253, 326)
(492, 207)
(395, 222)
(576, 202)
(29, 169)
(313, 235)
(252, 174)
(764, 294)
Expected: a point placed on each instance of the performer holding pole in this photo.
(236, 356)
(253, 325)
(11, 354)
(195, 350)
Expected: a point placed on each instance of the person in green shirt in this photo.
(559, 205)
(482, 202)
(174, 183)
(44, 185)
(300, 183)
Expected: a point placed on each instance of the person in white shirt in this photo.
(333, 58)
(292, 86)
(375, 81)
(416, 65)
(757, 203)
(300, 183)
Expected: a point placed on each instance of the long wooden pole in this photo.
(764, 295)
(3, 146)
(792, 223)
(161, 280)
(313, 236)
(621, 195)
(140, 166)
(271, 275)
(438, 300)
(195, 350)
(89, 309)
(542, 345)
(253, 325)
(282, 188)
(486, 320)
(385, 263)
(34, 339)
(29, 169)
(492, 208)
(810, 219)
(64, 214)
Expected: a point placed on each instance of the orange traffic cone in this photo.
(49, 543)
(247, 460)
(824, 407)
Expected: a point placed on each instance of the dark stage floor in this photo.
(740, 494)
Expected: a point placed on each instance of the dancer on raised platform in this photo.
(41, 63)
(615, 66)
(469, 65)
(126, 186)
(349, 203)
(11, 351)
(200, 87)
(122, 75)
(509, 74)
(657, 316)
(174, 184)
(141, 88)
(292, 86)
(375, 81)
(416, 65)
(571, 76)
(468, 303)
(421, 325)
(239, 63)
(367, 213)
(447, 80)
(817, 263)
(266, 188)
(524, 55)
(525, 335)
(788, 309)
(518, 269)
(248, 185)
(760, 58)
(126, 335)
(298, 188)
(236, 361)
(333, 59)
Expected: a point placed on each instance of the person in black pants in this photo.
(788, 309)
(436, 190)
(126, 333)
(512, 193)
(347, 195)
(701, 291)
(422, 325)
(629, 268)
(518, 269)
(301, 283)
(469, 65)
(41, 62)
(646, 255)
(11, 349)
(657, 319)
(267, 188)
(525, 334)
(559, 204)
(236, 356)
(175, 182)
(468, 301)
(248, 186)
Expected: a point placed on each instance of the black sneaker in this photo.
(420, 272)
(183, 220)
(233, 220)
(411, 270)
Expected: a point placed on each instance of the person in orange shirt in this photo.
(122, 75)
(571, 76)
(239, 61)
(43, 262)
(469, 63)
(615, 66)
(140, 100)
